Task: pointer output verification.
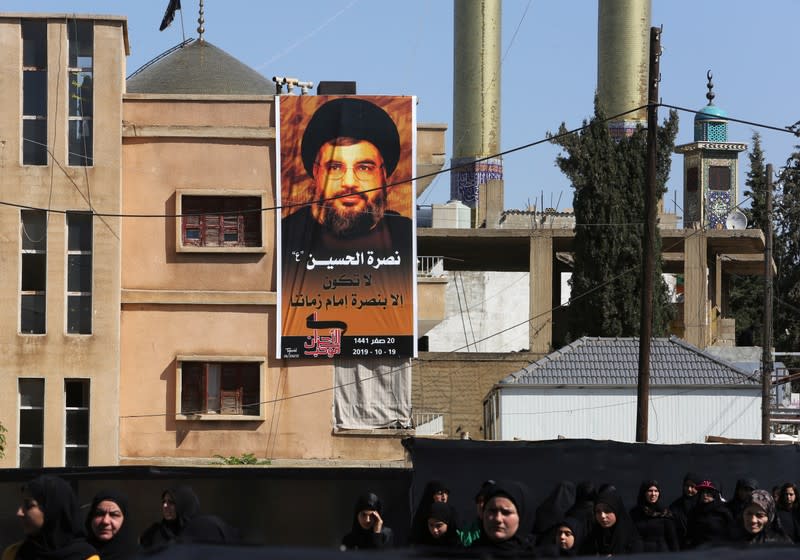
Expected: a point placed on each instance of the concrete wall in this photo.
(57, 355)
(478, 306)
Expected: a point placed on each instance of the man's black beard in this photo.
(354, 224)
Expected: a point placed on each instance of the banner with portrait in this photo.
(346, 233)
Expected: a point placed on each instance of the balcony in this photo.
(431, 287)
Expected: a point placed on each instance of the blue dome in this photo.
(710, 112)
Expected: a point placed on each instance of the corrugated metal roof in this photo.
(615, 361)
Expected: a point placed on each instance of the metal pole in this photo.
(648, 248)
(766, 355)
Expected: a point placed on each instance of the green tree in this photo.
(787, 256)
(608, 178)
(746, 299)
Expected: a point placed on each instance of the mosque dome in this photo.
(710, 112)
(199, 68)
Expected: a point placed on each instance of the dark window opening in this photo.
(719, 178)
(80, 36)
(79, 273)
(31, 422)
(692, 179)
(33, 271)
(34, 92)
(221, 388)
(76, 420)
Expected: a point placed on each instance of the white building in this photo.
(588, 390)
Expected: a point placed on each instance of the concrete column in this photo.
(695, 289)
(490, 204)
(541, 292)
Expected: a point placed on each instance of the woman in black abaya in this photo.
(613, 532)
(178, 506)
(506, 517)
(109, 526)
(653, 520)
(53, 529)
(710, 522)
(368, 530)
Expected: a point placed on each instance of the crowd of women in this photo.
(574, 520)
(579, 519)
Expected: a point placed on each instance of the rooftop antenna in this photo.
(200, 21)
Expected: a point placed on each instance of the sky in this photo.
(549, 65)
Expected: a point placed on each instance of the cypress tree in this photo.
(608, 178)
(787, 256)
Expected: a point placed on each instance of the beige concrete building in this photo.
(62, 78)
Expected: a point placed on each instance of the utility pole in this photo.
(649, 242)
(766, 345)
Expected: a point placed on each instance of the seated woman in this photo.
(178, 505)
(50, 521)
(613, 531)
(441, 526)
(368, 530)
(757, 525)
(505, 519)
(109, 527)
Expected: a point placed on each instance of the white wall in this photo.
(676, 415)
(480, 304)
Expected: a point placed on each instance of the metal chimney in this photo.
(623, 32)
(477, 179)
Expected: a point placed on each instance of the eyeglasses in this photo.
(364, 171)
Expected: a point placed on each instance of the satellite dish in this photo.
(736, 220)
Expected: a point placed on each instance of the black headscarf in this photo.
(61, 537)
(123, 544)
(446, 514)
(360, 538)
(419, 523)
(645, 507)
(522, 541)
(553, 509)
(577, 528)
(622, 537)
(187, 506)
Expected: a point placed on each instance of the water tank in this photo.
(454, 214)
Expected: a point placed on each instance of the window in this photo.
(220, 221)
(76, 422)
(33, 271)
(79, 273)
(223, 387)
(80, 38)
(692, 179)
(34, 92)
(31, 422)
(719, 178)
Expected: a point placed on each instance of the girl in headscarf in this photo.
(613, 531)
(583, 510)
(109, 527)
(682, 506)
(653, 521)
(506, 518)
(552, 510)
(50, 521)
(758, 521)
(788, 511)
(434, 491)
(442, 528)
(368, 530)
(710, 522)
(178, 505)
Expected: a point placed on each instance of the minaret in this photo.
(623, 54)
(476, 109)
(710, 168)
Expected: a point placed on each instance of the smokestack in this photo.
(476, 109)
(623, 32)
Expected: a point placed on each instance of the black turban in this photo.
(352, 118)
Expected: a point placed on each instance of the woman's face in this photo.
(755, 519)
(789, 496)
(440, 496)
(706, 496)
(366, 518)
(605, 516)
(652, 494)
(500, 519)
(30, 515)
(107, 519)
(565, 538)
(436, 527)
(168, 511)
